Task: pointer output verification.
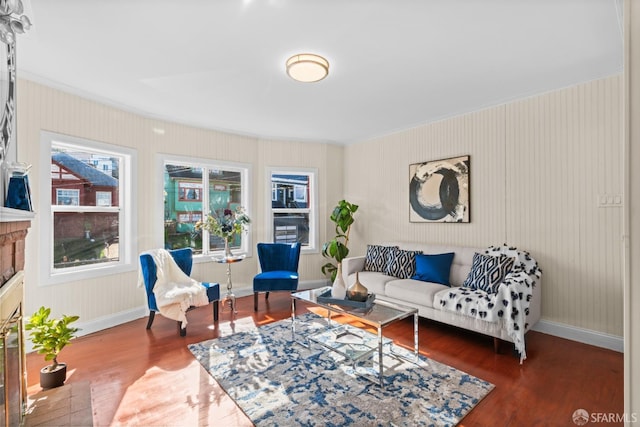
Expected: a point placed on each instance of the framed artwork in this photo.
(439, 190)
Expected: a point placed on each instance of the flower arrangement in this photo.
(225, 223)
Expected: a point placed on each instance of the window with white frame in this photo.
(293, 214)
(103, 198)
(192, 189)
(91, 212)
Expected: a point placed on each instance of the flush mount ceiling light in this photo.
(307, 67)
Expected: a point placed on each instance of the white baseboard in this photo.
(313, 284)
(586, 336)
(102, 323)
(110, 321)
(142, 311)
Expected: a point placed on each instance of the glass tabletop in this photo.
(351, 342)
(380, 314)
(229, 260)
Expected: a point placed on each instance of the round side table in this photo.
(229, 297)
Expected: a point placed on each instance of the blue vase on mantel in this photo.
(339, 288)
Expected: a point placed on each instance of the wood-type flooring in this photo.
(142, 377)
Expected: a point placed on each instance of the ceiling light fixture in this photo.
(307, 67)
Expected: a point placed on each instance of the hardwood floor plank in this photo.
(145, 377)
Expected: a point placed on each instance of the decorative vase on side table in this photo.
(227, 249)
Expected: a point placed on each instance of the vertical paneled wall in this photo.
(43, 108)
(573, 139)
(539, 168)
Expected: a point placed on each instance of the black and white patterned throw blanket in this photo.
(509, 305)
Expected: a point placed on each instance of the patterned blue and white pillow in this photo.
(402, 264)
(487, 272)
(377, 258)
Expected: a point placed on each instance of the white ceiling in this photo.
(395, 64)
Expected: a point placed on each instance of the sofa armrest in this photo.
(352, 264)
(535, 306)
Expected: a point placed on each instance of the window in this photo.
(67, 197)
(191, 190)
(89, 228)
(103, 198)
(293, 213)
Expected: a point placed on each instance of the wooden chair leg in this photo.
(266, 295)
(215, 311)
(255, 301)
(152, 315)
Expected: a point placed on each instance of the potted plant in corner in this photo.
(49, 337)
(337, 248)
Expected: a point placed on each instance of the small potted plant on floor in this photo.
(49, 337)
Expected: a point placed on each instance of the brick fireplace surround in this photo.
(12, 236)
(14, 226)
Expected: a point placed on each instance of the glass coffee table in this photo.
(354, 344)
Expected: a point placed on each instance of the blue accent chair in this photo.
(184, 259)
(279, 265)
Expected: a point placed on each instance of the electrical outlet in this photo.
(610, 201)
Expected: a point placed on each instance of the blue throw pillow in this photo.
(434, 268)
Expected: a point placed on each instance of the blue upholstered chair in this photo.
(279, 265)
(184, 259)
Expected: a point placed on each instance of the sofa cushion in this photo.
(377, 257)
(414, 291)
(487, 272)
(461, 262)
(402, 264)
(374, 282)
(433, 268)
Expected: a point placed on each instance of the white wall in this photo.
(538, 169)
(116, 298)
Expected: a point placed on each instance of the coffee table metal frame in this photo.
(381, 314)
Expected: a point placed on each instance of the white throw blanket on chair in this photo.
(175, 292)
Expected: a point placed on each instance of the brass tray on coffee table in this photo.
(326, 298)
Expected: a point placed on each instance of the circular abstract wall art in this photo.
(439, 191)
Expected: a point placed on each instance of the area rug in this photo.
(278, 382)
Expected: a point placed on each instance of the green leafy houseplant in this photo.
(50, 336)
(337, 248)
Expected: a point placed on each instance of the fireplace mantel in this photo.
(11, 215)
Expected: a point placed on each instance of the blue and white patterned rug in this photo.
(279, 382)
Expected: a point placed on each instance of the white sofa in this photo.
(427, 296)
